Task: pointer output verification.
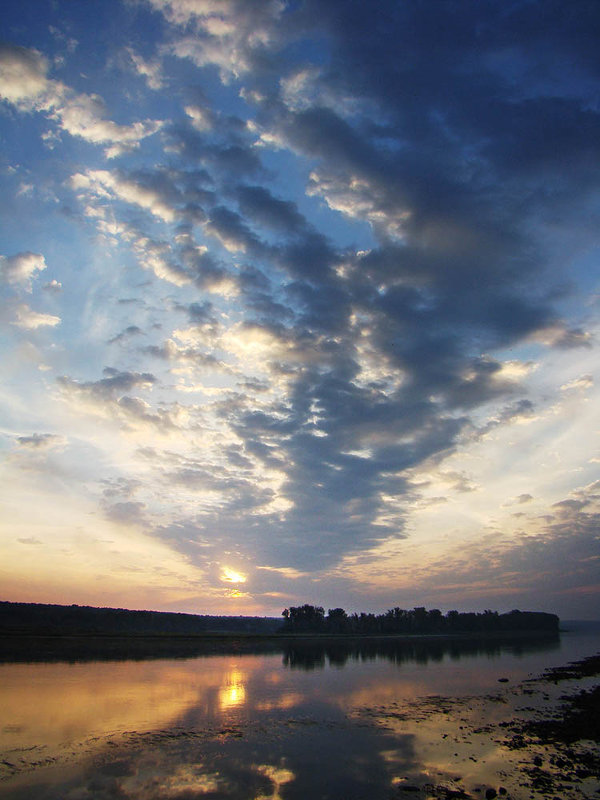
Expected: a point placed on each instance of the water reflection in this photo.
(233, 692)
(308, 652)
(314, 654)
(55, 703)
(334, 719)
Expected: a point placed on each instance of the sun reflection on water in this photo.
(232, 694)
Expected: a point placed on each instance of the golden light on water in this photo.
(231, 576)
(233, 693)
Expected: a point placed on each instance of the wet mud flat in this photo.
(534, 740)
(549, 749)
(570, 736)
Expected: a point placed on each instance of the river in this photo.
(308, 721)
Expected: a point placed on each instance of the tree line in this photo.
(49, 619)
(418, 621)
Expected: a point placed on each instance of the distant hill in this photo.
(37, 619)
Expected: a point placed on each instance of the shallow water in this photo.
(311, 721)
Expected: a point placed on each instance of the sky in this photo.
(300, 304)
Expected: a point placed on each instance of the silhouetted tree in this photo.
(304, 618)
(337, 620)
(419, 621)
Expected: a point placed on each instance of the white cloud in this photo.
(581, 384)
(23, 79)
(21, 268)
(226, 32)
(202, 119)
(24, 84)
(31, 320)
(103, 183)
(83, 116)
(150, 70)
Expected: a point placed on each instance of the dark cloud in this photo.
(232, 230)
(40, 441)
(457, 137)
(224, 151)
(128, 332)
(575, 337)
(127, 512)
(109, 396)
(199, 265)
(201, 313)
(258, 204)
(524, 498)
(114, 382)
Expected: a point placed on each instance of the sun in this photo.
(231, 576)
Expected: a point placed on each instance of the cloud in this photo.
(24, 84)
(524, 498)
(41, 441)
(83, 116)
(150, 191)
(113, 383)
(550, 563)
(384, 354)
(128, 512)
(109, 398)
(558, 335)
(258, 204)
(126, 334)
(231, 35)
(28, 319)
(520, 500)
(170, 351)
(170, 196)
(391, 219)
(581, 384)
(53, 286)
(230, 229)
(150, 70)
(22, 268)
(23, 76)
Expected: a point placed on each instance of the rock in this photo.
(490, 794)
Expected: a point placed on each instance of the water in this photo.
(310, 721)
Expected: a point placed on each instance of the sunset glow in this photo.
(231, 576)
